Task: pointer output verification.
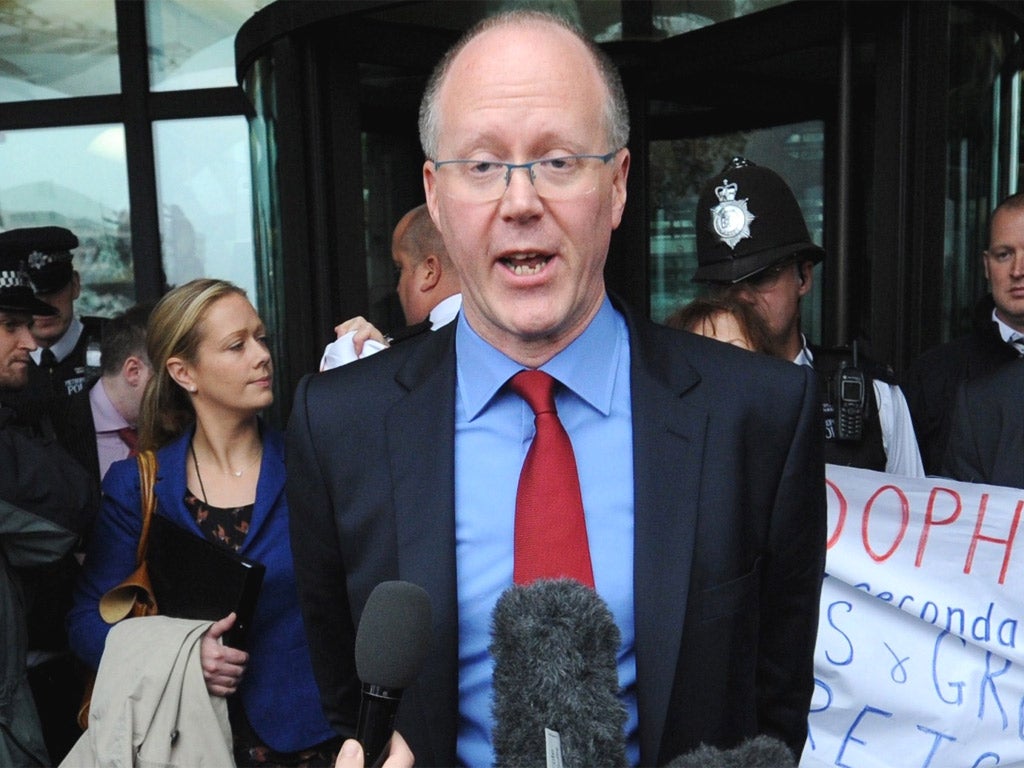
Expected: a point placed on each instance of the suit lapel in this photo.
(421, 449)
(269, 487)
(170, 480)
(668, 440)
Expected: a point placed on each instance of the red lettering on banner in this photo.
(945, 507)
(841, 521)
(1008, 542)
(930, 519)
(905, 520)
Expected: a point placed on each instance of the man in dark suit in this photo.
(996, 340)
(427, 285)
(427, 288)
(700, 465)
(986, 440)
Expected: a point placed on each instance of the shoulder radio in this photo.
(851, 390)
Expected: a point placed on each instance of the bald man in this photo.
(428, 290)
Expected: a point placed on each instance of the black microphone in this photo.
(392, 641)
(759, 752)
(555, 644)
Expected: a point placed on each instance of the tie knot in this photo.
(537, 389)
(47, 358)
(130, 437)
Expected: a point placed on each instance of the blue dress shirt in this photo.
(493, 431)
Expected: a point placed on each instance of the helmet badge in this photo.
(730, 218)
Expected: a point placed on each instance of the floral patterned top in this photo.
(221, 526)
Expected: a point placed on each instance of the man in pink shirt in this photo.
(99, 425)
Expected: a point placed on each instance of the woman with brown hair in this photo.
(724, 317)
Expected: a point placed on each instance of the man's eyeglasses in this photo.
(554, 178)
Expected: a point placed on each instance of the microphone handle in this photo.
(377, 712)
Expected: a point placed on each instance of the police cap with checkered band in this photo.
(747, 221)
(16, 294)
(46, 252)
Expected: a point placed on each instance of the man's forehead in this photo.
(544, 114)
(1008, 222)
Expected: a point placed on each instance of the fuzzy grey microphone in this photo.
(758, 752)
(555, 644)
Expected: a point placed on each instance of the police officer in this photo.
(752, 240)
(68, 354)
(47, 502)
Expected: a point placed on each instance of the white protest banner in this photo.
(919, 657)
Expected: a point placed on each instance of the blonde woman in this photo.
(221, 476)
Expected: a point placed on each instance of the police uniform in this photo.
(76, 364)
(53, 502)
(72, 362)
(748, 220)
(887, 442)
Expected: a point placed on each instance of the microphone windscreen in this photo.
(759, 752)
(394, 635)
(555, 645)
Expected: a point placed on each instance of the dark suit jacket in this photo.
(933, 379)
(986, 442)
(729, 533)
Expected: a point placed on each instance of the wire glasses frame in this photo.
(554, 178)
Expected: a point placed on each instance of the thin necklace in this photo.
(232, 472)
(195, 463)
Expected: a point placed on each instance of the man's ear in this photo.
(619, 186)
(131, 370)
(806, 272)
(430, 273)
(430, 191)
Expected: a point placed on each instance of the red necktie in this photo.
(130, 438)
(550, 531)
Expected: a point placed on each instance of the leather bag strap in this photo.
(147, 481)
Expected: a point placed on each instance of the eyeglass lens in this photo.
(561, 178)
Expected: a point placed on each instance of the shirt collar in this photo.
(65, 344)
(1008, 334)
(805, 356)
(445, 311)
(105, 416)
(587, 366)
